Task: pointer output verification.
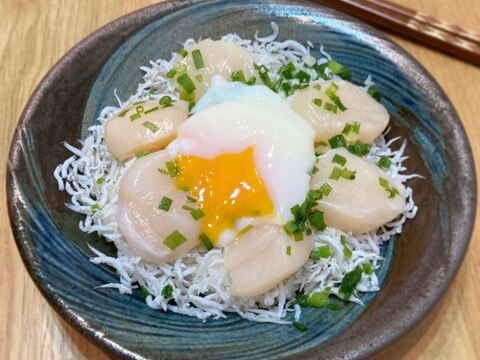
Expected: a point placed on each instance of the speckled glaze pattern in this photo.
(422, 260)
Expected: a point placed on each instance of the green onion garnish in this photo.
(359, 148)
(302, 76)
(325, 189)
(251, 81)
(319, 299)
(165, 101)
(152, 110)
(339, 159)
(348, 175)
(197, 214)
(174, 240)
(330, 107)
(167, 291)
(298, 236)
(331, 93)
(331, 90)
(385, 162)
(314, 170)
(100, 181)
(263, 72)
(356, 127)
(336, 173)
(377, 95)
(343, 239)
(299, 326)
(238, 76)
(289, 250)
(317, 101)
(325, 251)
(171, 73)
(197, 59)
(347, 252)
(339, 70)
(183, 52)
(206, 241)
(141, 153)
(337, 141)
(335, 306)
(165, 204)
(317, 220)
(188, 208)
(186, 83)
(368, 269)
(186, 96)
(172, 168)
(317, 87)
(191, 105)
(191, 199)
(392, 192)
(123, 113)
(350, 282)
(290, 227)
(144, 291)
(95, 207)
(245, 229)
(150, 126)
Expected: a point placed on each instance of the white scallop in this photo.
(257, 260)
(125, 137)
(361, 107)
(142, 223)
(220, 58)
(358, 205)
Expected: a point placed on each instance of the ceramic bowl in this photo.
(420, 263)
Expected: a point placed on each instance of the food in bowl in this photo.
(244, 176)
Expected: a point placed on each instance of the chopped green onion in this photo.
(331, 93)
(314, 170)
(339, 70)
(325, 189)
(197, 214)
(150, 126)
(171, 73)
(183, 52)
(368, 269)
(174, 240)
(165, 203)
(172, 168)
(300, 299)
(325, 251)
(359, 148)
(377, 95)
(290, 227)
(289, 250)
(139, 102)
(187, 96)
(152, 110)
(165, 101)
(385, 162)
(343, 239)
(144, 291)
(188, 208)
(317, 101)
(299, 326)
(167, 291)
(392, 192)
(302, 76)
(191, 105)
(251, 81)
(263, 72)
(348, 175)
(186, 83)
(123, 113)
(347, 252)
(331, 90)
(330, 107)
(356, 127)
(191, 199)
(298, 236)
(339, 159)
(198, 59)
(317, 220)
(337, 141)
(245, 229)
(141, 153)
(350, 282)
(206, 241)
(319, 299)
(238, 76)
(100, 181)
(95, 207)
(317, 87)
(336, 173)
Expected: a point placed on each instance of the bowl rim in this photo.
(141, 18)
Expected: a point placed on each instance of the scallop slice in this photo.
(143, 224)
(219, 58)
(146, 126)
(361, 107)
(257, 261)
(362, 204)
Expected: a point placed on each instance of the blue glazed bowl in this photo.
(419, 264)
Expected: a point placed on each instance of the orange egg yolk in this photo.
(227, 188)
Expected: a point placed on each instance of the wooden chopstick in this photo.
(451, 39)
